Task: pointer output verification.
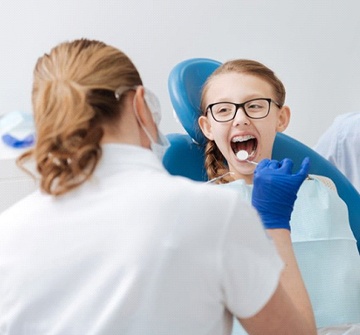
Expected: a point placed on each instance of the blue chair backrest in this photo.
(186, 156)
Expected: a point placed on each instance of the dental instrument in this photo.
(217, 178)
(243, 156)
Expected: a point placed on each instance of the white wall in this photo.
(313, 46)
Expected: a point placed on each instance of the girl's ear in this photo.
(205, 127)
(283, 119)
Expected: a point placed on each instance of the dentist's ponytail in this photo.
(73, 96)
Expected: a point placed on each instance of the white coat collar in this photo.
(117, 157)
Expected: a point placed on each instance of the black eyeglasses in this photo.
(254, 109)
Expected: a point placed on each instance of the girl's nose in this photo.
(241, 118)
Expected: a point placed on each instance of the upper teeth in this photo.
(242, 138)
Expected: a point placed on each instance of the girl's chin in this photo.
(246, 169)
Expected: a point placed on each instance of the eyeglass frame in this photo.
(241, 105)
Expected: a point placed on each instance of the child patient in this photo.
(242, 107)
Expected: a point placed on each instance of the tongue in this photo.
(247, 146)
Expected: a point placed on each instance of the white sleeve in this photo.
(251, 266)
(327, 144)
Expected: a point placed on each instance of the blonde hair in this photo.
(73, 95)
(215, 163)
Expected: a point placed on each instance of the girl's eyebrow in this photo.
(248, 97)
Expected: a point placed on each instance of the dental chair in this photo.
(185, 157)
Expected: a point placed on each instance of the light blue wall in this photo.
(314, 46)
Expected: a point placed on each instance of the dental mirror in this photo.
(243, 155)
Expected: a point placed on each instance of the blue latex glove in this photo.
(275, 189)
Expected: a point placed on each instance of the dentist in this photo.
(111, 243)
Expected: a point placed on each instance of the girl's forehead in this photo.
(239, 84)
(229, 78)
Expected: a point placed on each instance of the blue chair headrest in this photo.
(185, 84)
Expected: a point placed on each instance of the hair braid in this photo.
(215, 164)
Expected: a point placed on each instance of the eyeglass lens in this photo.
(255, 109)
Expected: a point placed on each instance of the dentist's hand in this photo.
(275, 189)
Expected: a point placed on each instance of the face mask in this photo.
(160, 146)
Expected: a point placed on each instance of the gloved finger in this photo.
(287, 165)
(274, 164)
(262, 164)
(305, 167)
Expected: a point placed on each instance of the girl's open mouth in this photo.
(247, 143)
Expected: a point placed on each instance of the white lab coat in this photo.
(340, 144)
(133, 251)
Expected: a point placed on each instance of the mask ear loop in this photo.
(154, 105)
(141, 124)
(151, 101)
